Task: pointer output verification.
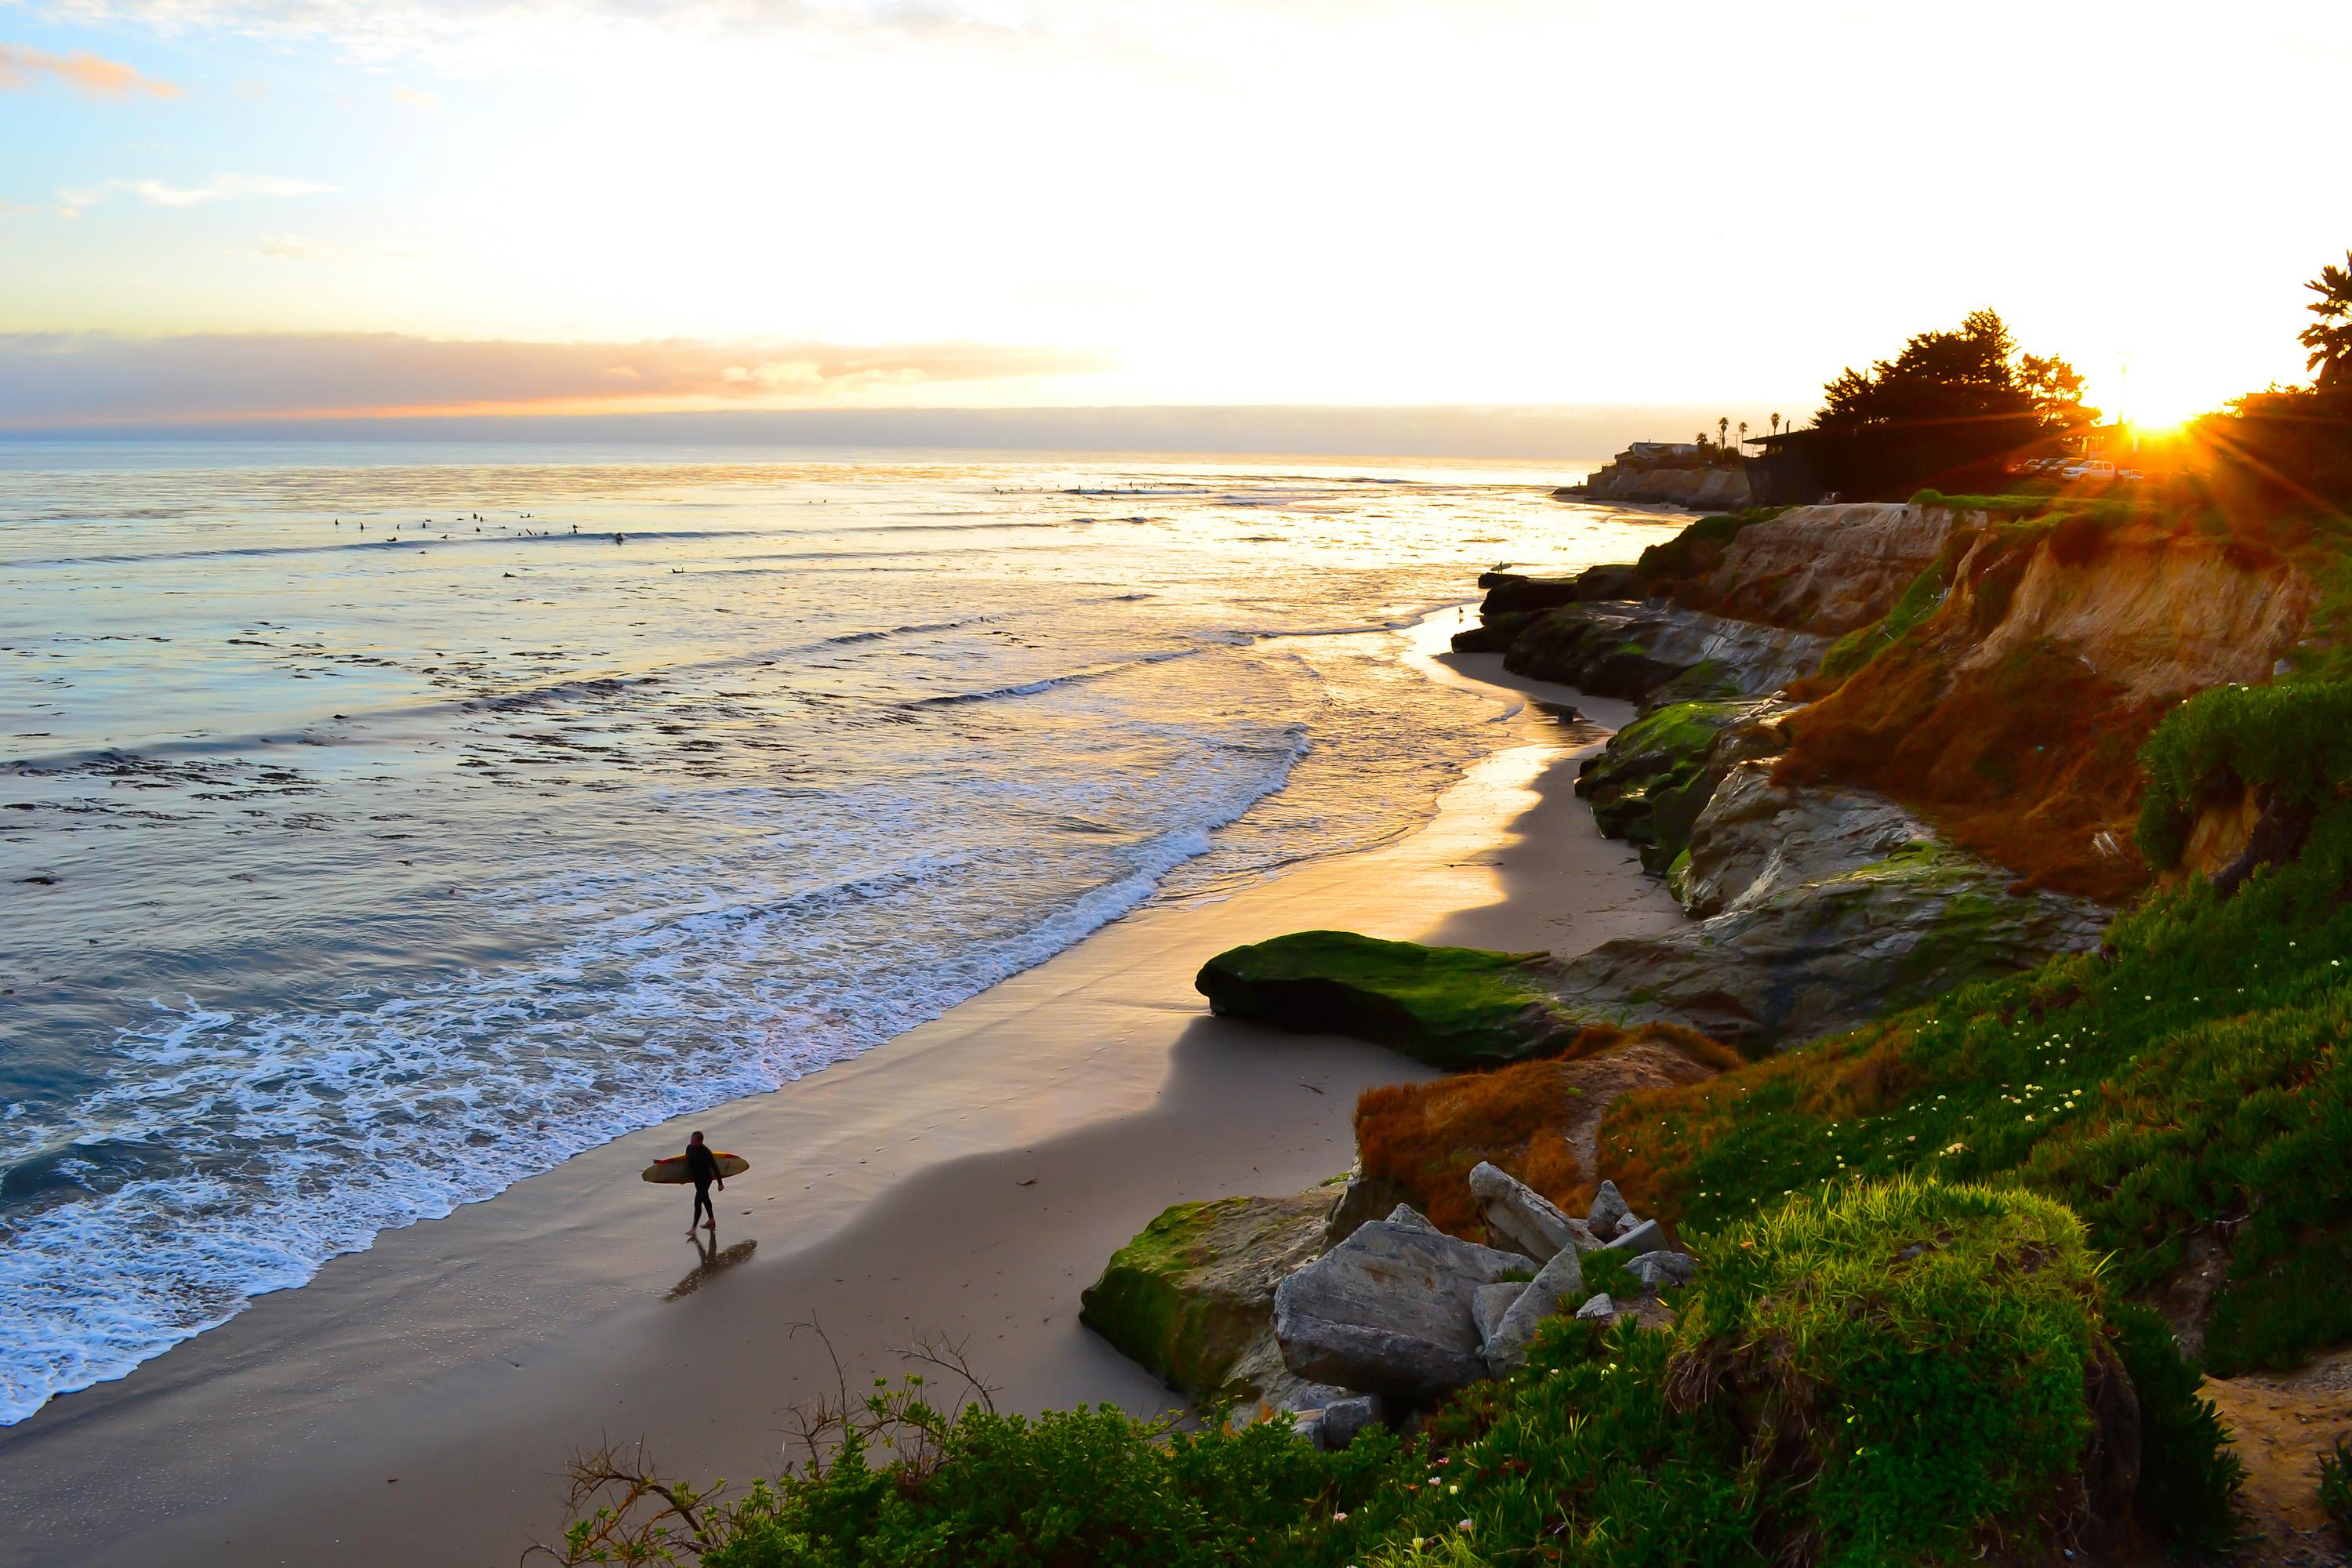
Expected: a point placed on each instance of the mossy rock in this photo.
(1452, 1007)
(1648, 786)
(1190, 1294)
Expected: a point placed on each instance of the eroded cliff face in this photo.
(2160, 614)
(1954, 797)
(2011, 716)
(1826, 569)
(1711, 489)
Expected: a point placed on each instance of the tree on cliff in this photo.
(2289, 448)
(2329, 338)
(1949, 411)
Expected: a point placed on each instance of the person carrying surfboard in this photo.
(702, 1169)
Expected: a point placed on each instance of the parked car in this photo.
(2089, 469)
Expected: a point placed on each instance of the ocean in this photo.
(380, 825)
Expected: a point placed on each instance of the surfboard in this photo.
(672, 1171)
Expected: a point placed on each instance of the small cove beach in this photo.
(417, 1402)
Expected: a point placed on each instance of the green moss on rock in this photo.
(1450, 1006)
(1648, 786)
(1188, 1296)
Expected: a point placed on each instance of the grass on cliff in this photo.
(2189, 1080)
(1449, 1006)
(1896, 1374)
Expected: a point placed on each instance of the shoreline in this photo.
(415, 1402)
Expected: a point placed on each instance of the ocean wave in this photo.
(1053, 682)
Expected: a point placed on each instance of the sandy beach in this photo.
(417, 1402)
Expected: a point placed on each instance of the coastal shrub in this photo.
(1893, 1374)
(2187, 1083)
(1448, 1006)
(2292, 741)
(2189, 1479)
(1082, 1487)
(2335, 1485)
(1909, 1358)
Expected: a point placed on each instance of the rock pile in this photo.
(1400, 1313)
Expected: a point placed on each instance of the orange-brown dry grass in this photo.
(2032, 764)
(1425, 1137)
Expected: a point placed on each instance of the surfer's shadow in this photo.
(716, 1261)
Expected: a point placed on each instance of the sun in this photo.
(2156, 399)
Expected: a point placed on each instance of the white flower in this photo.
(1463, 1527)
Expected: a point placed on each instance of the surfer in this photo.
(702, 1169)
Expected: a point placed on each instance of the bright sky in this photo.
(291, 205)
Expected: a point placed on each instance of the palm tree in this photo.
(1743, 435)
(1776, 425)
(2330, 338)
(1723, 427)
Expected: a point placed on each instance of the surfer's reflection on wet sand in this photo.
(714, 1263)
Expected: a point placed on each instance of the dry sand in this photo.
(416, 1403)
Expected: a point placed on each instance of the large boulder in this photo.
(1608, 1208)
(1452, 1007)
(1368, 1195)
(1187, 1296)
(1388, 1311)
(1518, 1214)
(1558, 1281)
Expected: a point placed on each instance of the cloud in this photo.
(86, 73)
(51, 380)
(296, 248)
(220, 187)
(409, 98)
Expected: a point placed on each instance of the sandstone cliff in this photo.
(1700, 488)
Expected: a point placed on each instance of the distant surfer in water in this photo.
(702, 1169)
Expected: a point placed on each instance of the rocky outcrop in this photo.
(1650, 784)
(1700, 488)
(1450, 1006)
(1187, 1298)
(1653, 650)
(1389, 1310)
(1412, 1313)
(1825, 954)
(1755, 838)
(1828, 569)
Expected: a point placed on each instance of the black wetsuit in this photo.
(702, 1169)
